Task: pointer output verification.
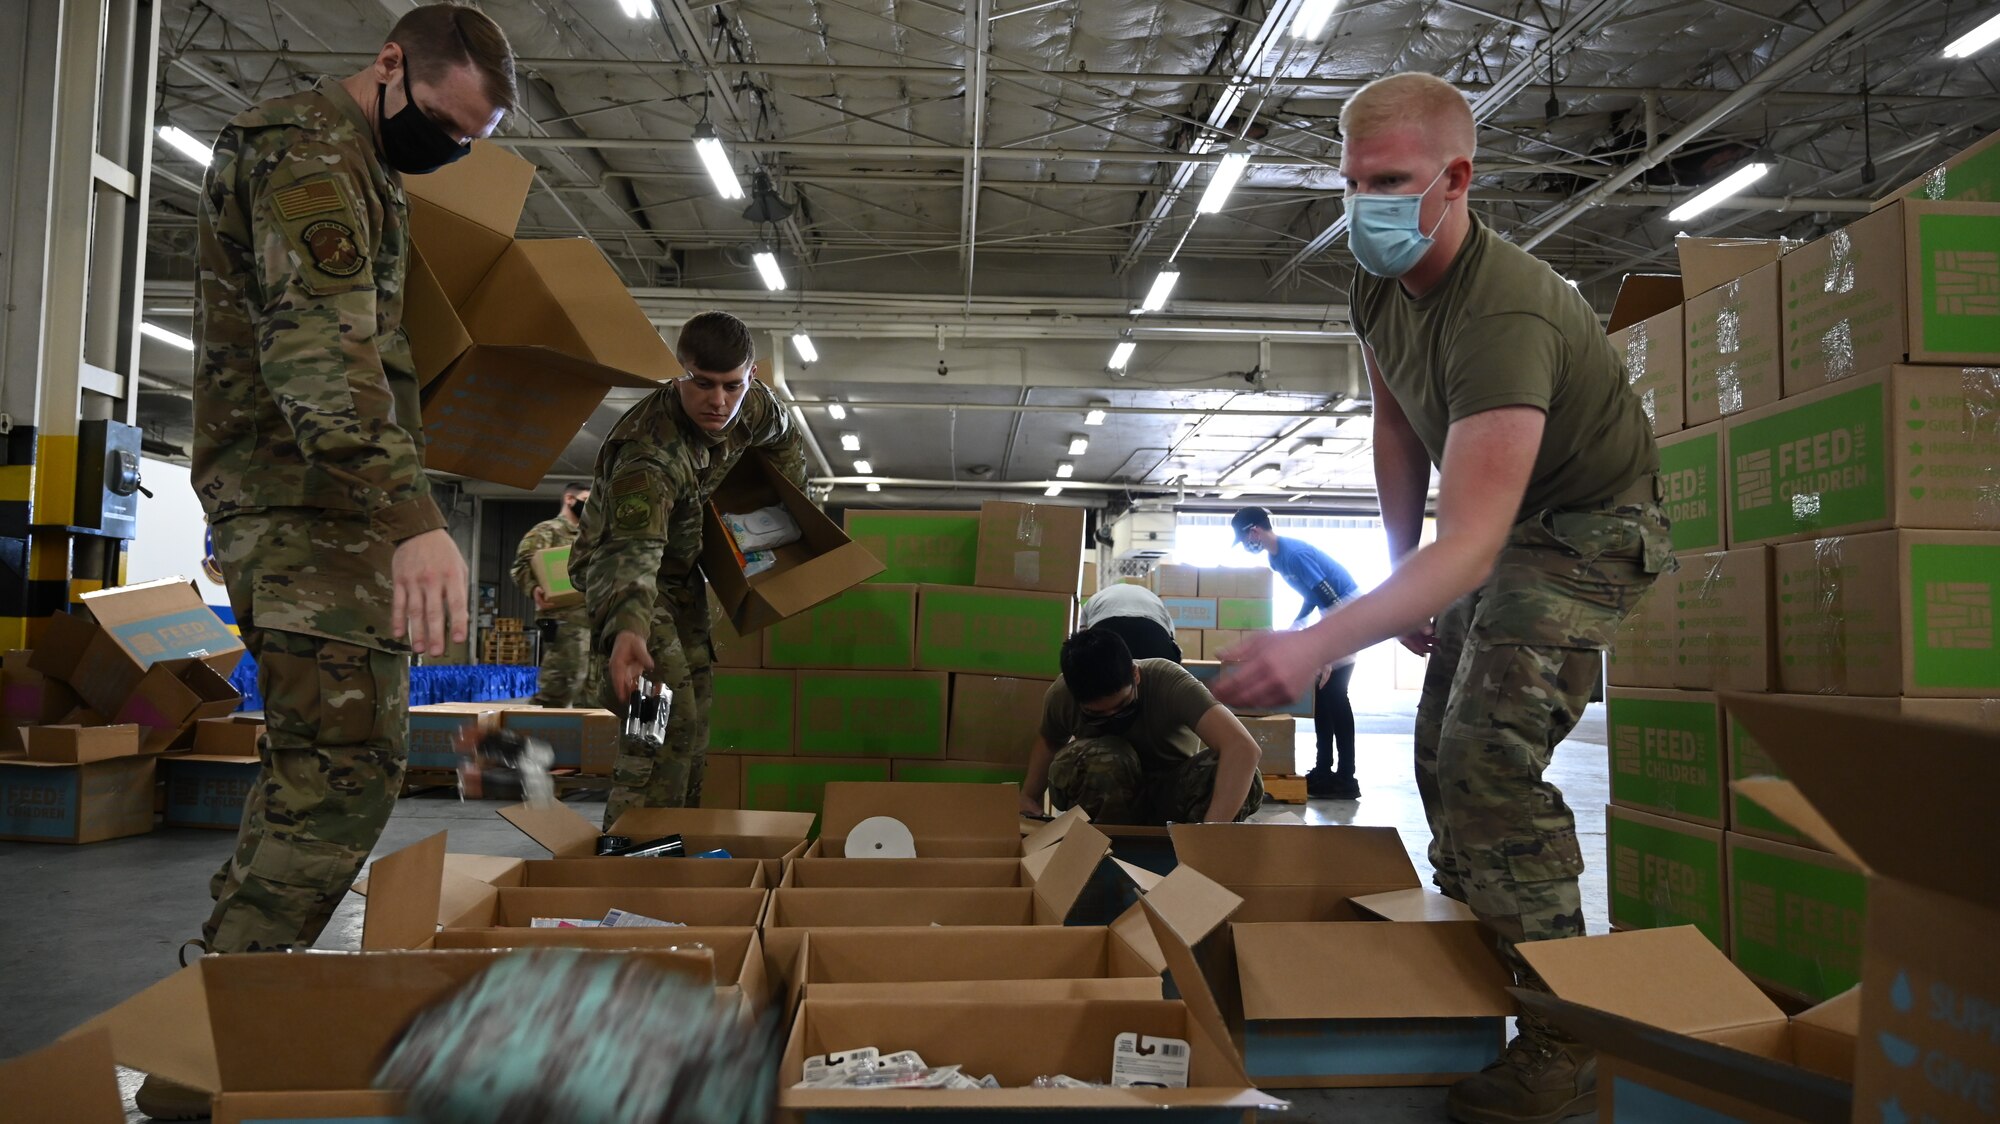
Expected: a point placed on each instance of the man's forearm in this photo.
(1036, 783)
(1236, 763)
(1402, 476)
(1424, 585)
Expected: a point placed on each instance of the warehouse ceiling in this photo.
(967, 178)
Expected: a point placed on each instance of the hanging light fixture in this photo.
(1163, 287)
(708, 146)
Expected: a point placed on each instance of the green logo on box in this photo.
(1818, 466)
(1798, 922)
(1666, 755)
(1959, 256)
(1688, 479)
(1952, 631)
(1662, 877)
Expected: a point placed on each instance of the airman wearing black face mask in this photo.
(568, 676)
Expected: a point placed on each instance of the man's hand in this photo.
(1270, 670)
(430, 580)
(628, 659)
(1031, 805)
(1422, 641)
(541, 599)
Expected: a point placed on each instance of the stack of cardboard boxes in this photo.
(933, 670)
(1835, 495)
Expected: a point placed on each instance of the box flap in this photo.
(932, 811)
(1192, 987)
(74, 1081)
(1671, 978)
(1784, 800)
(1371, 859)
(495, 870)
(1061, 881)
(1841, 1014)
(585, 310)
(1414, 905)
(1787, 1091)
(405, 891)
(1037, 836)
(463, 216)
(556, 827)
(1144, 879)
(1388, 970)
(1643, 296)
(1949, 771)
(164, 1030)
(1823, 1038)
(1112, 988)
(442, 338)
(1195, 905)
(1708, 262)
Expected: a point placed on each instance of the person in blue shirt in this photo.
(1322, 583)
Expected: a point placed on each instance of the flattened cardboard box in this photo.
(1928, 971)
(994, 718)
(753, 712)
(872, 713)
(926, 547)
(1892, 613)
(822, 563)
(1665, 872)
(871, 626)
(992, 631)
(1733, 334)
(1795, 917)
(1725, 621)
(1031, 546)
(1896, 447)
(1692, 477)
(43, 802)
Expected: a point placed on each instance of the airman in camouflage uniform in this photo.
(636, 555)
(567, 677)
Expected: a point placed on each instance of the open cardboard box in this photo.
(209, 1026)
(54, 802)
(769, 837)
(1928, 973)
(947, 821)
(74, 1081)
(822, 563)
(130, 629)
(515, 341)
(172, 697)
(1674, 983)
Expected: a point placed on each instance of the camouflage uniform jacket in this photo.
(642, 526)
(547, 534)
(305, 395)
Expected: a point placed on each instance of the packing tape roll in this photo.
(881, 837)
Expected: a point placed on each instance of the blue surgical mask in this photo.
(1383, 231)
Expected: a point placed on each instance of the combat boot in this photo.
(1538, 1080)
(162, 1099)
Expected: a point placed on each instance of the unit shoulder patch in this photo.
(332, 247)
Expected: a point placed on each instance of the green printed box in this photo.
(929, 547)
(1242, 613)
(1725, 636)
(1655, 368)
(1972, 175)
(1896, 447)
(958, 772)
(1691, 480)
(873, 713)
(1748, 759)
(1796, 917)
(866, 627)
(1666, 752)
(992, 631)
(1893, 613)
(1642, 650)
(752, 712)
(1665, 872)
(1732, 346)
(798, 784)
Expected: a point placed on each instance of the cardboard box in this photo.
(1190, 642)
(1890, 613)
(1091, 583)
(1691, 478)
(207, 790)
(1648, 335)
(172, 696)
(1286, 872)
(1972, 174)
(28, 697)
(1252, 582)
(59, 651)
(1709, 262)
(869, 626)
(240, 736)
(946, 821)
(1277, 738)
(1726, 621)
(1243, 614)
(927, 547)
(753, 712)
(959, 772)
(516, 341)
(1643, 649)
(821, 873)
(1031, 546)
(733, 649)
(1681, 1035)
(47, 802)
(721, 782)
(1927, 966)
(768, 836)
(994, 718)
(1665, 872)
(1172, 580)
(873, 713)
(1209, 671)
(74, 1080)
(582, 739)
(798, 784)
(1914, 281)
(138, 626)
(1795, 917)
(1192, 612)
(80, 745)
(822, 563)
(1733, 337)
(992, 631)
(435, 731)
(1896, 447)
(551, 570)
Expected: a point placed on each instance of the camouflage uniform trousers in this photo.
(336, 725)
(1512, 671)
(568, 674)
(1106, 778)
(667, 775)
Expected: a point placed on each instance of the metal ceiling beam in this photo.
(828, 149)
(1776, 71)
(978, 35)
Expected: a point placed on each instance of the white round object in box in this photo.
(881, 837)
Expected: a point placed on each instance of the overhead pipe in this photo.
(1079, 486)
(1328, 410)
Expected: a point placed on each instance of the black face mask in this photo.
(1118, 721)
(412, 143)
(576, 508)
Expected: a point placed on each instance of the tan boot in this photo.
(1538, 1080)
(162, 1099)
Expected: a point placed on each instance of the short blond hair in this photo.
(1424, 101)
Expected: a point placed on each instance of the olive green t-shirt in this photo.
(1171, 701)
(1503, 329)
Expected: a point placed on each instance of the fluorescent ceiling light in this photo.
(1095, 415)
(864, 468)
(1267, 474)
(1311, 18)
(767, 266)
(1228, 170)
(1120, 355)
(1308, 446)
(874, 487)
(1065, 470)
(708, 146)
(636, 9)
(1728, 186)
(851, 442)
(836, 411)
(1974, 41)
(1078, 444)
(1163, 287)
(147, 328)
(1052, 491)
(803, 344)
(189, 147)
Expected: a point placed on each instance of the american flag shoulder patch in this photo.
(313, 197)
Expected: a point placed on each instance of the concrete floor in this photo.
(85, 927)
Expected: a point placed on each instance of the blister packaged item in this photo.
(767, 528)
(665, 847)
(613, 845)
(1143, 1061)
(563, 923)
(620, 919)
(647, 712)
(1059, 1081)
(830, 1071)
(505, 765)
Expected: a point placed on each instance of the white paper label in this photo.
(1148, 1062)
